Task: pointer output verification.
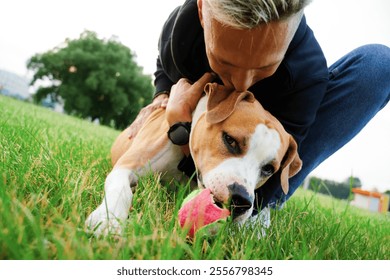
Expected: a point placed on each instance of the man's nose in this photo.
(242, 80)
(241, 200)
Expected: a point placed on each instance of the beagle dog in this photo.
(236, 146)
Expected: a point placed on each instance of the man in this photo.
(266, 47)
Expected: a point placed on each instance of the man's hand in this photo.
(184, 97)
(159, 102)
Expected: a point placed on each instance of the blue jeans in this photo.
(359, 87)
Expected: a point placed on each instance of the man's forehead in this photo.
(268, 43)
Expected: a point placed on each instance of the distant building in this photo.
(13, 85)
(373, 201)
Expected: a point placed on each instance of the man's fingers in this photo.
(160, 101)
(132, 132)
(206, 78)
(164, 103)
(134, 127)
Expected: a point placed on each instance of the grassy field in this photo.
(52, 171)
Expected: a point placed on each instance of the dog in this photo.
(236, 146)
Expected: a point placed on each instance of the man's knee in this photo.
(374, 56)
(372, 63)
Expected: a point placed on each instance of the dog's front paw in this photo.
(102, 223)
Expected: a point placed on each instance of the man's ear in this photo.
(291, 164)
(200, 8)
(222, 103)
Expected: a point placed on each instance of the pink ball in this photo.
(199, 210)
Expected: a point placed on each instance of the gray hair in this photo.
(247, 14)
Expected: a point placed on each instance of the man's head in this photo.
(246, 40)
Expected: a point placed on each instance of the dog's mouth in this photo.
(218, 203)
(237, 205)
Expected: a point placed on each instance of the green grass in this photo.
(52, 171)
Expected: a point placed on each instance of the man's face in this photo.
(243, 57)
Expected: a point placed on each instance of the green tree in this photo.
(354, 182)
(340, 190)
(94, 78)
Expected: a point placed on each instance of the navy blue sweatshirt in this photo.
(292, 94)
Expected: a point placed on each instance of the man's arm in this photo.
(161, 82)
(159, 101)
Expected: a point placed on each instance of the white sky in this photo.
(30, 27)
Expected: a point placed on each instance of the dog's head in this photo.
(237, 146)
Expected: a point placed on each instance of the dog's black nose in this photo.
(241, 200)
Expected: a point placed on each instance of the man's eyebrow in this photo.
(271, 64)
(222, 61)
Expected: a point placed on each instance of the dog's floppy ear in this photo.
(221, 102)
(291, 164)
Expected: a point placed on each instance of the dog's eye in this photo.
(267, 170)
(231, 144)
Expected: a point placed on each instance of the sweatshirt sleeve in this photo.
(162, 82)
